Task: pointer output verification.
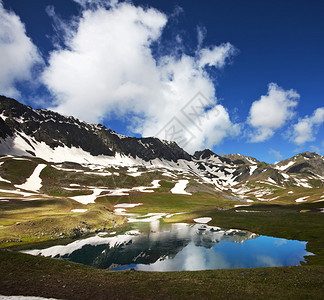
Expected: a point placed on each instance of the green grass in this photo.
(165, 186)
(57, 178)
(60, 192)
(167, 202)
(17, 171)
(316, 182)
(22, 274)
(41, 220)
(44, 220)
(6, 185)
(284, 198)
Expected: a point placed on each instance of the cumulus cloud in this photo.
(271, 112)
(107, 69)
(307, 127)
(18, 54)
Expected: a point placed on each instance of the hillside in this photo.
(79, 171)
(65, 183)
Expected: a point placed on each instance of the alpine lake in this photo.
(160, 246)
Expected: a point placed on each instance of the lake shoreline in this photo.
(167, 247)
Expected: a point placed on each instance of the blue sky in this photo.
(251, 71)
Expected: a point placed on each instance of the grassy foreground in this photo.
(22, 274)
(47, 219)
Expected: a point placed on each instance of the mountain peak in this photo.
(310, 155)
(207, 153)
(47, 134)
(57, 138)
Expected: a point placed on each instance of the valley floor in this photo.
(22, 274)
(57, 211)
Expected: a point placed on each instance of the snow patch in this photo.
(250, 161)
(284, 167)
(79, 210)
(302, 183)
(285, 176)
(4, 180)
(118, 192)
(302, 199)
(271, 180)
(3, 117)
(155, 184)
(252, 169)
(168, 174)
(136, 174)
(34, 182)
(179, 188)
(203, 220)
(127, 205)
(86, 199)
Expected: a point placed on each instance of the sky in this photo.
(229, 75)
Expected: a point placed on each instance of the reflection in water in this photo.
(172, 247)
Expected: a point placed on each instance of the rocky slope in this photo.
(20, 124)
(57, 138)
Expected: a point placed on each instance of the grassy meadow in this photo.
(46, 216)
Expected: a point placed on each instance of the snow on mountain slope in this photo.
(23, 145)
(56, 138)
(285, 167)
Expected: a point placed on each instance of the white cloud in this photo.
(307, 127)
(271, 112)
(201, 34)
(215, 56)
(276, 154)
(107, 69)
(18, 54)
(93, 4)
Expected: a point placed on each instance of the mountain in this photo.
(43, 133)
(303, 163)
(61, 177)
(57, 139)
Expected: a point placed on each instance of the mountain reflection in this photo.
(171, 247)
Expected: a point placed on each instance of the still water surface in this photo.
(176, 247)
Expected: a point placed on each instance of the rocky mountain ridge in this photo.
(56, 130)
(57, 138)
